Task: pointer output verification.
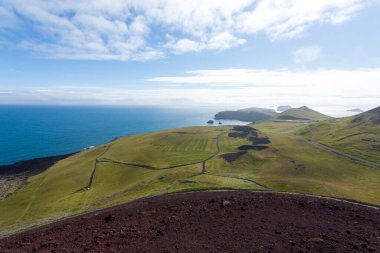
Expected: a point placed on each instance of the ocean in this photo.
(28, 132)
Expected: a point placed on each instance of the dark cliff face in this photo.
(248, 116)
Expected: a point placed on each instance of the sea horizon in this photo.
(29, 132)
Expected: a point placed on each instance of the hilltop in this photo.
(249, 114)
(302, 113)
(258, 114)
(357, 135)
(371, 117)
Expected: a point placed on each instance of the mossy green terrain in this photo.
(60, 191)
(294, 165)
(302, 113)
(140, 166)
(357, 135)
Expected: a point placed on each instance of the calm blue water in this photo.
(28, 132)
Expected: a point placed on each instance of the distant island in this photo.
(258, 114)
(249, 114)
(355, 110)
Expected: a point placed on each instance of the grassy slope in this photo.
(303, 113)
(289, 164)
(362, 140)
(59, 191)
(296, 166)
(166, 148)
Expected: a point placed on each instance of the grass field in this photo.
(362, 140)
(138, 166)
(297, 166)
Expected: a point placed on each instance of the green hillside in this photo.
(139, 166)
(357, 135)
(259, 114)
(302, 113)
(249, 114)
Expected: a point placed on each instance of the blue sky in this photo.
(227, 54)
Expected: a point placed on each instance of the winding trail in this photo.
(342, 154)
(334, 151)
(88, 187)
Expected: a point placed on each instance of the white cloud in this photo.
(325, 90)
(134, 30)
(184, 45)
(318, 88)
(220, 41)
(290, 18)
(306, 54)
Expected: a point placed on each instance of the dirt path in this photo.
(222, 221)
(334, 151)
(212, 156)
(88, 187)
(342, 154)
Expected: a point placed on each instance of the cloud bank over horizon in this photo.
(126, 30)
(329, 91)
(172, 53)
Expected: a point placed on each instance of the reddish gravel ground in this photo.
(228, 221)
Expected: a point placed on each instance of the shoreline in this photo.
(15, 176)
(16, 163)
(35, 165)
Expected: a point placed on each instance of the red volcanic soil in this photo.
(228, 221)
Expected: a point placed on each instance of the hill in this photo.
(358, 135)
(186, 159)
(249, 114)
(371, 117)
(258, 114)
(302, 113)
(203, 221)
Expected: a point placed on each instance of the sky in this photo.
(208, 53)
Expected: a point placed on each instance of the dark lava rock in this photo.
(109, 218)
(259, 140)
(226, 203)
(231, 157)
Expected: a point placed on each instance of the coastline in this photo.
(56, 130)
(15, 176)
(32, 166)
